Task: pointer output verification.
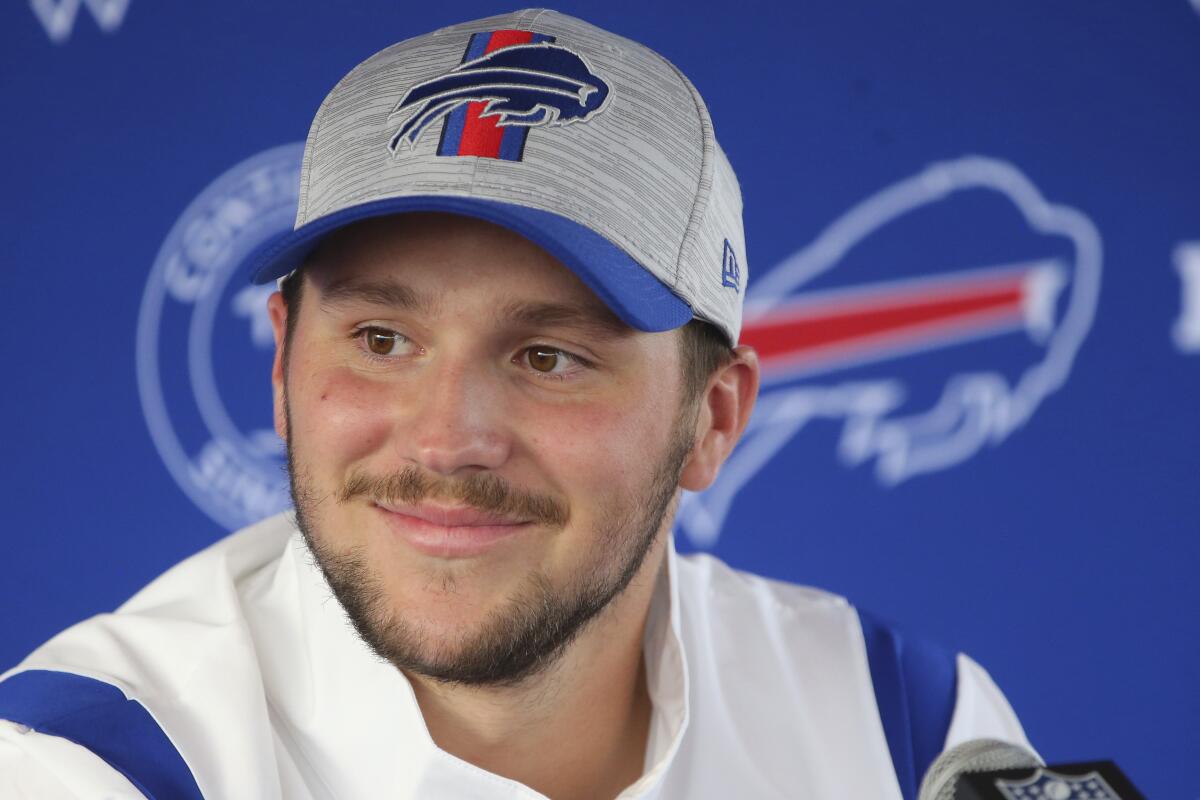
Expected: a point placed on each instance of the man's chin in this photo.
(456, 591)
(445, 619)
(455, 637)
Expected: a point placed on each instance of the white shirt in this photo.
(760, 689)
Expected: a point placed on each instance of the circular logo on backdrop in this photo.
(205, 346)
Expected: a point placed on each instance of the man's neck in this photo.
(577, 730)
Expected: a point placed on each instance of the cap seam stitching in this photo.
(533, 21)
(699, 205)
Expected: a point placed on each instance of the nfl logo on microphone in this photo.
(1047, 785)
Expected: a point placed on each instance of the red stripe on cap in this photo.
(481, 135)
(502, 39)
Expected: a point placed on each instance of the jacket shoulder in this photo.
(818, 662)
(164, 670)
(162, 633)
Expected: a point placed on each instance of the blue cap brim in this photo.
(633, 294)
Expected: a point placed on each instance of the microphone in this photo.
(988, 769)
(977, 755)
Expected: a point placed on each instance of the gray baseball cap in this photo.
(591, 145)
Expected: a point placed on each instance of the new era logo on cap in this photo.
(731, 276)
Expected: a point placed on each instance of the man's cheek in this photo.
(590, 451)
(345, 416)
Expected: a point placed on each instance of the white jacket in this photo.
(245, 661)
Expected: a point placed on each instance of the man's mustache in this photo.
(483, 491)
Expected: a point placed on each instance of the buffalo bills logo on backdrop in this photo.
(205, 344)
(509, 81)
(927, 322)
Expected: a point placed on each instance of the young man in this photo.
(505, 343)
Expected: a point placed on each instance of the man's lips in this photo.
(448, 531)
(450, 516)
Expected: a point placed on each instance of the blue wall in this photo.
(1019, 482)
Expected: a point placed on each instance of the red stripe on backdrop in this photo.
(481, 135)
(796, 332)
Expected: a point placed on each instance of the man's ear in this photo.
(724, 411)
(278, 311)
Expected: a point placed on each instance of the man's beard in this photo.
(533, 628)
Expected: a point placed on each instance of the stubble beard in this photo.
(528, 632)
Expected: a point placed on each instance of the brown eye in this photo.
(382, 342)
(543, 359)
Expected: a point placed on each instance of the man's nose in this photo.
(458, 420)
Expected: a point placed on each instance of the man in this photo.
(505, 343)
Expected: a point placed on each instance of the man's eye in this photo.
(552, 362)
(383, 342)
(544, 359)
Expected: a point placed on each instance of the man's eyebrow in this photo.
(594, 320)
(375, 292)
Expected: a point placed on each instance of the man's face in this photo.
(481, 453)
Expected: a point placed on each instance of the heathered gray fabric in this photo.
(645, 171)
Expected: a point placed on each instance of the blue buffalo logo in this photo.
(524, 85)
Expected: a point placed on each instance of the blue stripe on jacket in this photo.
(97, 715)
(915, 688)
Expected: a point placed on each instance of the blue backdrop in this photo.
(974, 247)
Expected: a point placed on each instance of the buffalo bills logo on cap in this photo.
(508, 82)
